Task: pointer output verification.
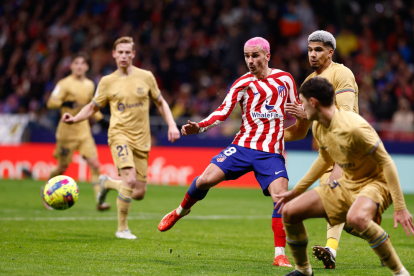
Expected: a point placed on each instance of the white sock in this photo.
(333, 251)
(181, 212)
(403, 272)
(306, 271)
(279, 251)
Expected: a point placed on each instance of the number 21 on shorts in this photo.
(121, 151)
(230, 151)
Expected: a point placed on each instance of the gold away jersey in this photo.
(129, 99)
(354, 145)
(343, 81)
(72, 89)
(349, 141)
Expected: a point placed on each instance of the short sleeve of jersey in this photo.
(59, 92)
(100, 98)
(344, 81)
(154, 90)
(365, 138)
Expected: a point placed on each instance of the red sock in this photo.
(279, 232)
(188, 202)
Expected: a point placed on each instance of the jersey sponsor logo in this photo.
(279, 172)
(282, 91)
(122, 107)
(267, 112)
(346, 165)
(221, 158)
(267, 115)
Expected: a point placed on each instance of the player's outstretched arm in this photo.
(190, 128)
(86, 112)
(164, 109)
(298, 131)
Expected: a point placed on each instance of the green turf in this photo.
(227, 233)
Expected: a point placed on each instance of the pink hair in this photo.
(258, 41)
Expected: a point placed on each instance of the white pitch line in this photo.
(144, 216)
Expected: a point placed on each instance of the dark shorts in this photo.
(236, 161)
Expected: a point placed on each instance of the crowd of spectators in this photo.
(195, 48)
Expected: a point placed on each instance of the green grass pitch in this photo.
(228, 233)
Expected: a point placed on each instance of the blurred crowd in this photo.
(195, 48)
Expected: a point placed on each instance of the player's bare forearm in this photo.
(297, 131)
(165, 111)
(86, 112)
(190, 128)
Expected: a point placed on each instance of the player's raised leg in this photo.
(123, 202)
(94, 167)
(360, 216)
(107, 184)
(279, 186)
(307, 205)
(199, 188)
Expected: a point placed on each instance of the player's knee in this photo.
(287, 213)
(205, 182)
(62, 169)
(139, 194)
(358, 221)
(94, 165)
(131, 182)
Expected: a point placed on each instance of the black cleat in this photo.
(325, 255)
(296, 273)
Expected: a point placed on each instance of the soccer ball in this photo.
(61, 192)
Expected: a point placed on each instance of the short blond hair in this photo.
(124, 39)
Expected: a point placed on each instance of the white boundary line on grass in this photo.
(144, 216)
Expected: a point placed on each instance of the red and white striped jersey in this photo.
(262, 102)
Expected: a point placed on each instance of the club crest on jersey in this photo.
(282, 91)
(221, 158)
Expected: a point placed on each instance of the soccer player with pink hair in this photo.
(262, 93)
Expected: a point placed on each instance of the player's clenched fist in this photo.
(68, 118)
(190, 128)
(173, 134)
